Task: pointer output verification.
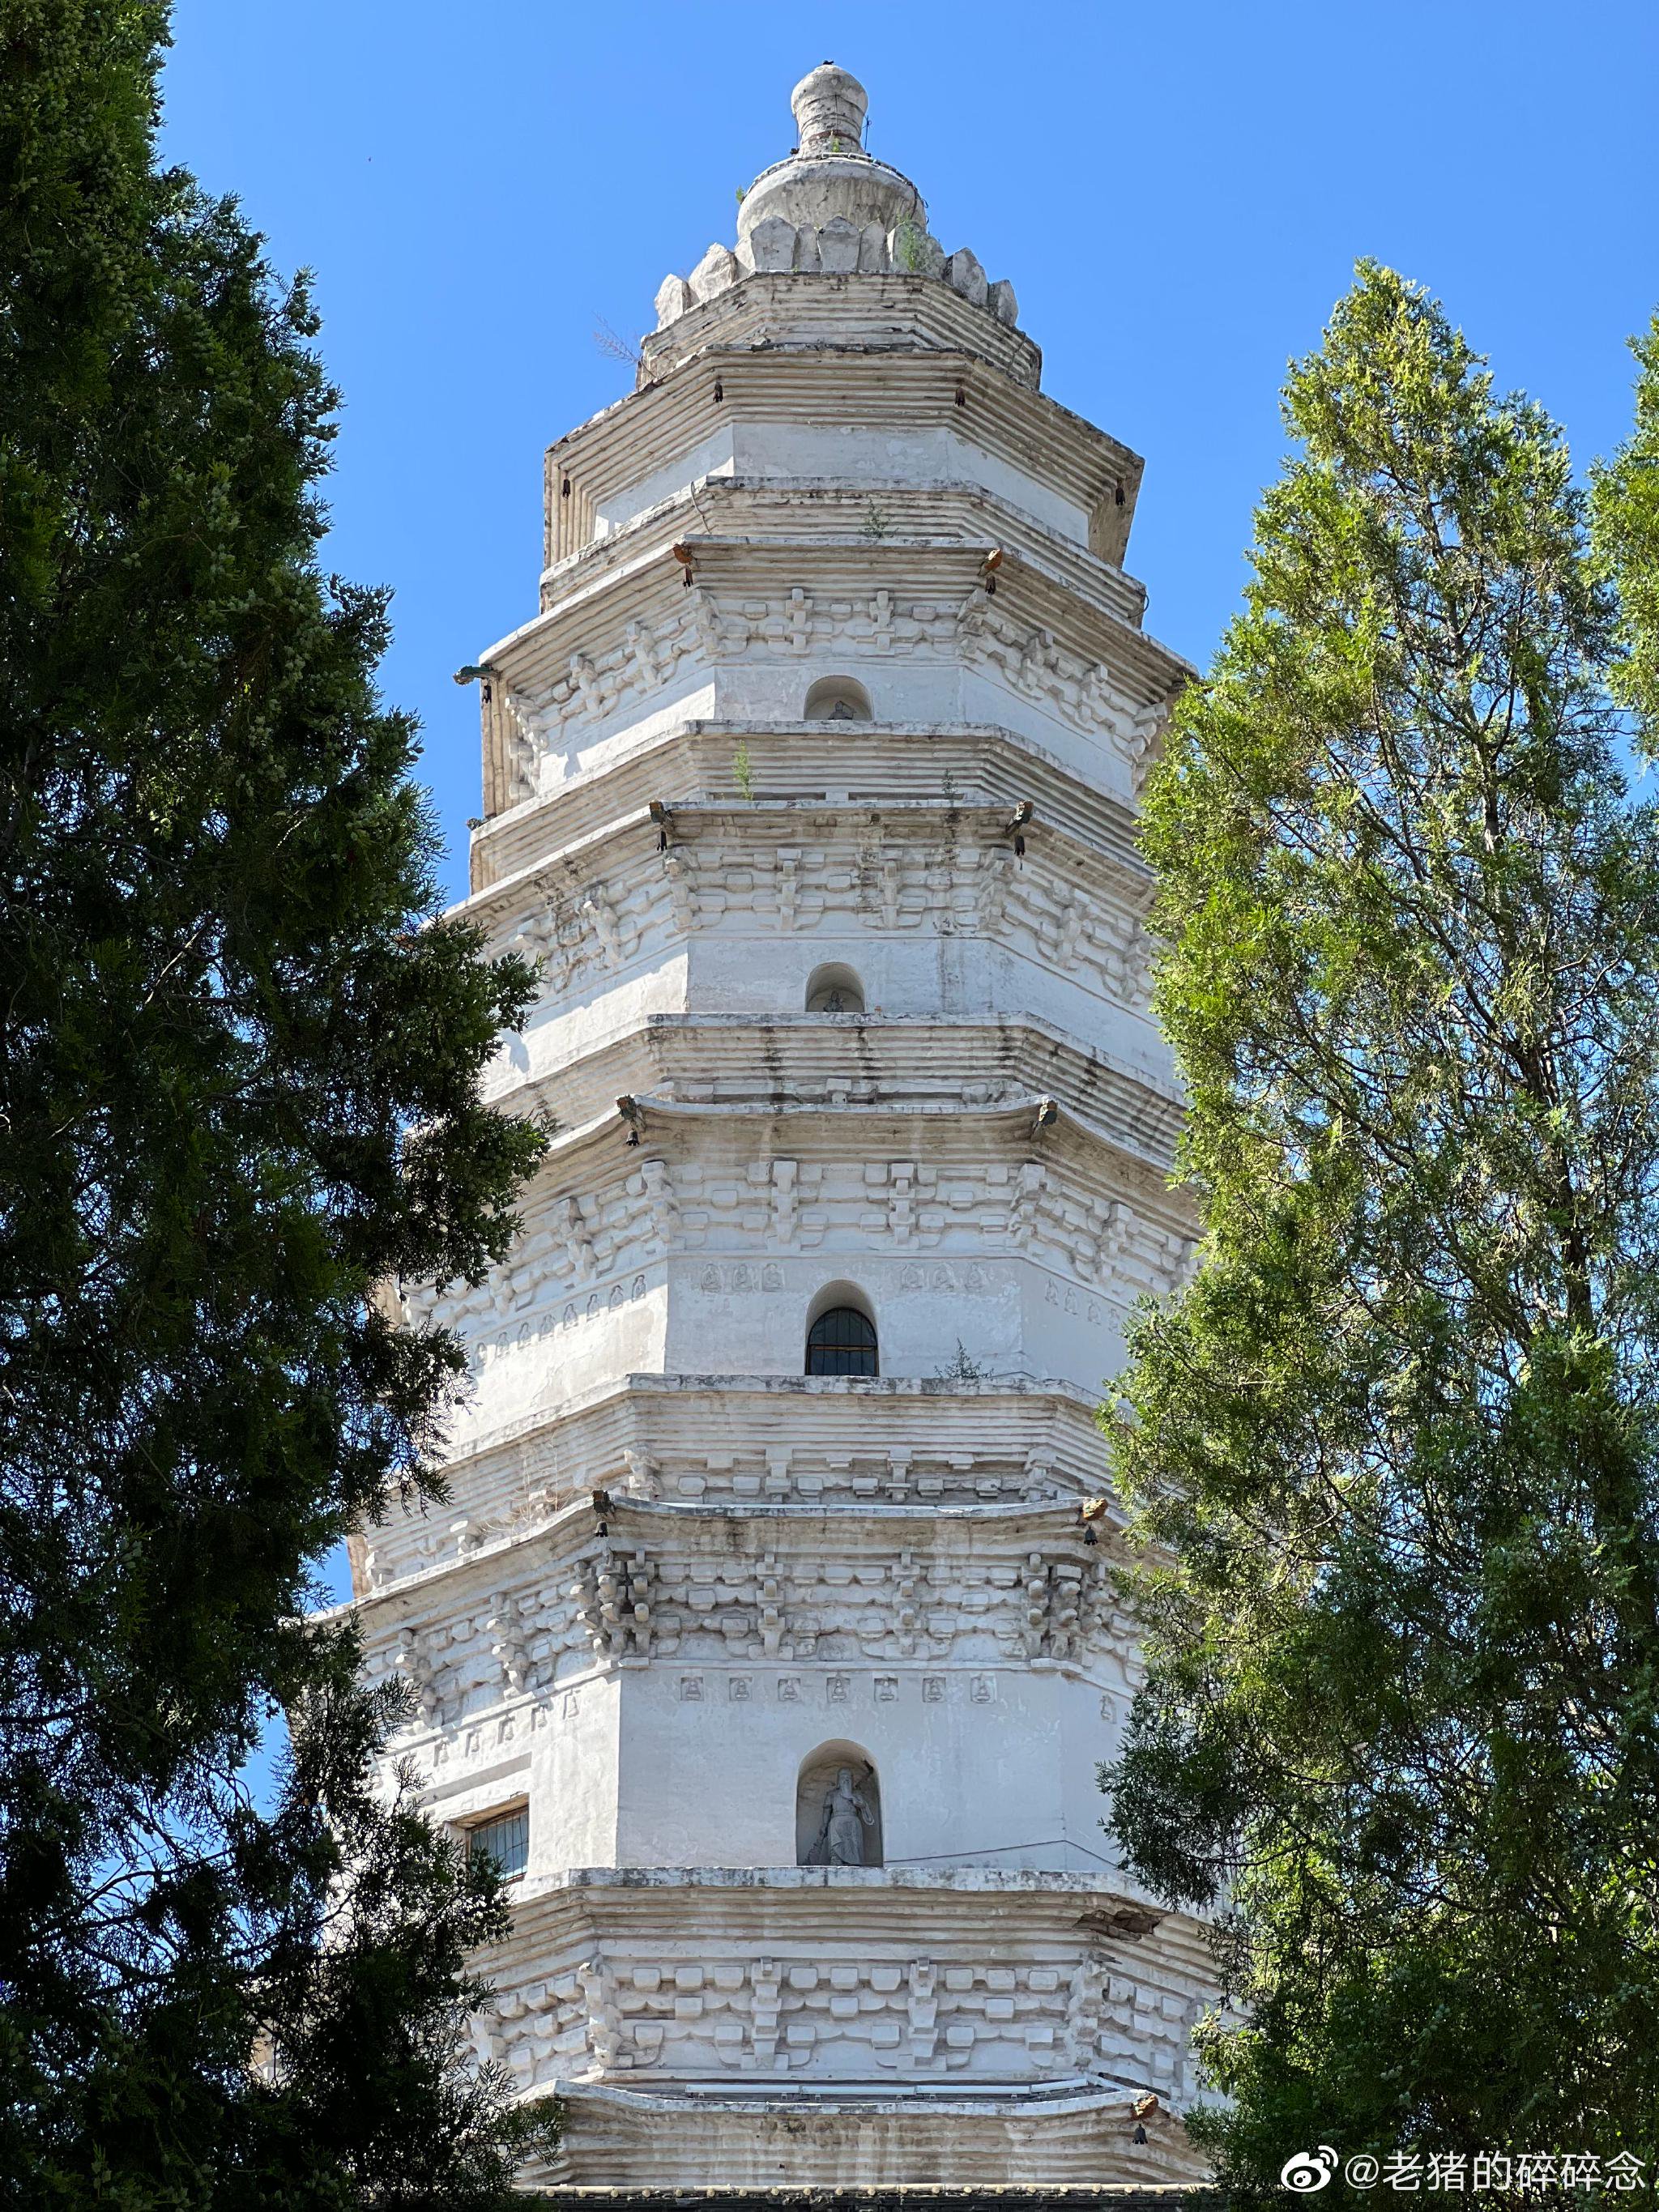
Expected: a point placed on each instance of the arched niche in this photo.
(841, 1333)
(834, 988)
(838, 1807)
(837, 699)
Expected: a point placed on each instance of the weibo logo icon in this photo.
(1305, 2171)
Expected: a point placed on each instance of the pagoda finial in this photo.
(829, 209)
(829, 104)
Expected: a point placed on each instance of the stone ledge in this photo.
(898, 2197)
(980, 1881)
(888, 313)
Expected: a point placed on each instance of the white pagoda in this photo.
(769, 1643)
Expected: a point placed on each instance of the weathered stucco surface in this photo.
(677, 1573)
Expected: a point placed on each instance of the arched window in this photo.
(838, 1807)
(841, 1341)
(837, 699)
(834, 989)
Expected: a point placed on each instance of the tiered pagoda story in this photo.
(769, 1640)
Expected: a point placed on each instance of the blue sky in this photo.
(1178, 192)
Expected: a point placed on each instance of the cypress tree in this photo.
(240, 1056)
(1394, 1451)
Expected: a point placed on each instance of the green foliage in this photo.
(238, 1076)
(742, 773)
(963, 1368)
(1625, 505)
(1394, 1450)
(909, 251)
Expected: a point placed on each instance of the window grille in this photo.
(841, 1342)
(505, 1839)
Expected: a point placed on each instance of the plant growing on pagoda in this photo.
(911, 246)
(238, 1076)
(1397, 1447)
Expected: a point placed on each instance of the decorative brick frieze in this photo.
(642, 640)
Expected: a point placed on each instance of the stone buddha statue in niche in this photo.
(846, 1815)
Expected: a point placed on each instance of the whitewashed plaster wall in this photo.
(710, 1757)
(1010, 1318)
(787, 452)
(742, 974)
(762, 688)
(570, 749)
(672, 1729)
(690, 1268)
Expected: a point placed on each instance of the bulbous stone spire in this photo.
(831, 208)
(829, 175)
(830, 106)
